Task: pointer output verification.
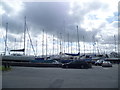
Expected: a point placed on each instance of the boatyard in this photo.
(71, 44)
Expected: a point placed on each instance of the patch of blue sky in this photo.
(113, 18)
(2, 40)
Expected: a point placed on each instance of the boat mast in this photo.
(71, 47)
(97, 47)
(60, 43)
(36, 47)
(93, 44)
(24, 34)
(76, 47)
(15, 44)
(53, 45)
(6, 38)
(115, 42)
(68, 42)
(43, 44)
(90, 47)
(84, 44)
(46, 45)
(64, 36)
(78, 41)
(104, 49)
(64, 44)
(57, 45)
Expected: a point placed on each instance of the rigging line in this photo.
(30, 40)
(6, 38)
(6, 44)
(25, 26)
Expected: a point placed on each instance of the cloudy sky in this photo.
(97, 21)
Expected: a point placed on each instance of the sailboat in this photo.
(17, 57)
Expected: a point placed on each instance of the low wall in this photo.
(27, 64)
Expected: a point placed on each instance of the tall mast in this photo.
(102, 39)
(6, 38)
(93, 44)
(84, 44)
(76, 47)
(43, 44)
(24, 34)
(46, 45)
(90, 47)
(78, 40)
(15, 44)
(60, 43)
(71, 46)
(53, 44)
(57, 45)
(64, 36)
(115, 42)
(68, 42)
(64, 45)
(36, 47)
(106, 48)
(97, 47)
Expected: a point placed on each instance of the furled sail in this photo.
(18, 50)
(72, 54)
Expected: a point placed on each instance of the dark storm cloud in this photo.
(49, 16)
(14, 25)
(53, 17)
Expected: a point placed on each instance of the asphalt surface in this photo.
(32, 77)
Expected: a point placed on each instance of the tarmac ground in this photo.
(39, 77)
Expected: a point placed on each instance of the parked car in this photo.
(77, 64)
(93, 62)
(99, 62)
(106, 64)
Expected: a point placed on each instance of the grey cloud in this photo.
(14, 25)
(47, 15)
(50, 16)
(15, 22)
(6, 7)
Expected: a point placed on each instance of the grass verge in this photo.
(2, 68)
